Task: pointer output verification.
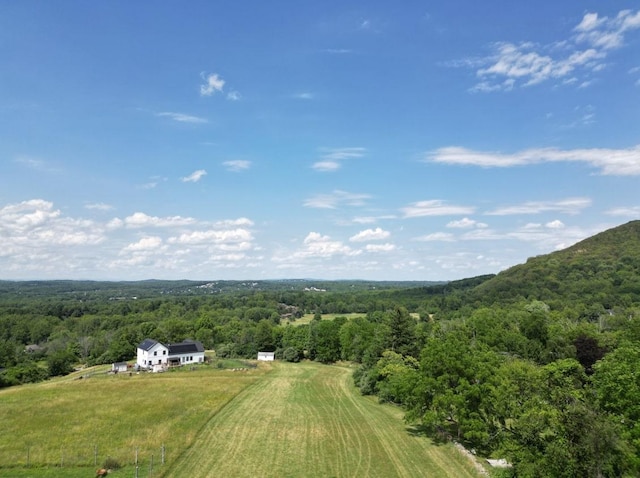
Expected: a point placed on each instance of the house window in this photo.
(155, 353)
(164, 352)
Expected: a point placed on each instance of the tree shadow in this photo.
(425, 431)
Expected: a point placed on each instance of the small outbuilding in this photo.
(119, 367)
(266, 356)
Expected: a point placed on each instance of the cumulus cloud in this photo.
(319, 246)
(35, 228)
(336, 199)
(182, 118)
(570, 61)
(612, 162)
(213, 237)
(380, 247)
(150, 243)
(566, 206)
(194, 177)
(466, 223)
(234, 96)
(237, 165)
(367, 235)
(140, 219)
(435, 207)
(212, 84)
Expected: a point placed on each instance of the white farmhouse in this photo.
(153, 355)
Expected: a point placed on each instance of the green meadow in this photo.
(277, 420)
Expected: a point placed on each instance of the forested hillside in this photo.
(536, 365)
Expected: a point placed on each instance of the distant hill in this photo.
(121, 290)
(603, 269)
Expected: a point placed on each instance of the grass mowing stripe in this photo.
(308, 420)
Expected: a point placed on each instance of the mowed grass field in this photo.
(62, 423)
(279, 420)
(307, 420)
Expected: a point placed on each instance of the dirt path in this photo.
(306, 420)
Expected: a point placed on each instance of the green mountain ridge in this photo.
(603, 269)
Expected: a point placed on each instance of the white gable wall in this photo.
(158, 354)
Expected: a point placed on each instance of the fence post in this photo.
(151, 466)
(162, 454)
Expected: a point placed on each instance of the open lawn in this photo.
(307, 420)
(79, 422)
(279, 420)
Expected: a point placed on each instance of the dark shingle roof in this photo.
(146, 344)
(185, 347)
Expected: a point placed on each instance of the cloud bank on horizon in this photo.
(359, 141)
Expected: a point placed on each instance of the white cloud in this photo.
(336, 199)
(237, 165)
(604, 32)
(234, 96)
(332, 158)
(317, 245)
(526, 63)
(613, 162)
(150, 243)
(376, 234)
(98, 206)
(241, 221)
(557, 224)
(342, 153)
(34, 230)
(213, 237)
(140, 219)
(466, 223)
(631, 211)
(183, 118)
(194, 177)
(213, 83)
(326, 166)
(566, 206)
(435, 207)
(380, 247)
(436, 236)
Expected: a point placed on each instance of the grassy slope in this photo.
(297, 420)
(308, 420)
(62, 421)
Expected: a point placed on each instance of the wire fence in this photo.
(92, 455)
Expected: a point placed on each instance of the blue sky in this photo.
(335, 140)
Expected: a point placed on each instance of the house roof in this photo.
(147, 344)
(185, 347)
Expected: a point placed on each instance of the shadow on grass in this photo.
(425, 431)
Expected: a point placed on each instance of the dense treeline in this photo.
(535, 367)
